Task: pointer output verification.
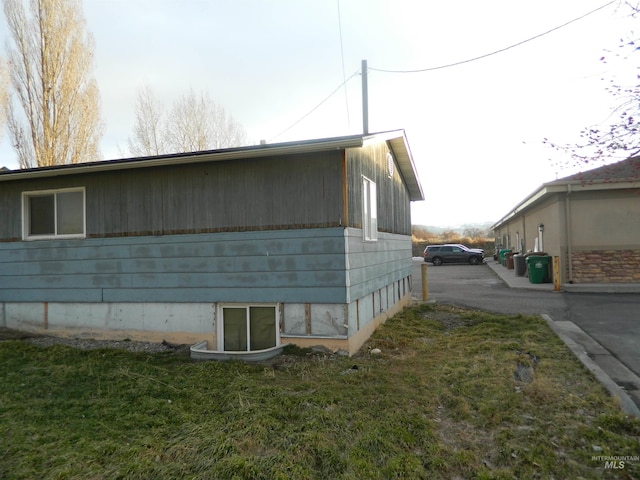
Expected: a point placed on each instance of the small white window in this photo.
(245, 328)
(369, 210)
(53, 214)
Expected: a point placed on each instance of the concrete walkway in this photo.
(621, 382)
(513, 281)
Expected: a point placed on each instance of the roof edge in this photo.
(559, 186)
(252, 151)
(396, 140)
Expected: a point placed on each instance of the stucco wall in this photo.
(523, 229)
(605, 219)
(594, 230)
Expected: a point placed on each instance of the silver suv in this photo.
(453, 253)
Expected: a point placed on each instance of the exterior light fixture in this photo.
(541, 227)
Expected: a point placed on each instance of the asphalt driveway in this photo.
(476, 286)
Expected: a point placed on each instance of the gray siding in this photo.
(394, 205)
(293, 191)
(375, 265)
(305, 265)
(10, 212)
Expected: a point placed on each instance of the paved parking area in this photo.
(477, 286)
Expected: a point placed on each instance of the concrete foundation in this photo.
(334, 326)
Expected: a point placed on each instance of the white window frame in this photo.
(247, 307)
(26, 220)
(369, 210)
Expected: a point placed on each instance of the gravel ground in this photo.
(88, 343)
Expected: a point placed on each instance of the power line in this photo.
(497, 51)
(344, 75)
(433, 68)
(355, 74)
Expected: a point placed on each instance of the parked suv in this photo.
(453, 253)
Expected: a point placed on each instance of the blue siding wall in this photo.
(305, 265)
(374, 265)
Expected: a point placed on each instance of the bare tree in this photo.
(194, 123)
(450, 236)
(189, 127)
(474, 233)
(147, 137)
(50, 58)
(621, 138)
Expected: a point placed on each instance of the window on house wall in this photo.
(369, 210)
(53, 214)
(248, 328)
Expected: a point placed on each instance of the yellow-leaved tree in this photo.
(53, 112)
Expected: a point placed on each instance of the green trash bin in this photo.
(538, 268)
(503, 253)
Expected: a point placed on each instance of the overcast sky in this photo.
(475, 130)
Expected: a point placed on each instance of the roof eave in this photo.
(399, 145)
(179, 159)
(565, 186)
(396, 139)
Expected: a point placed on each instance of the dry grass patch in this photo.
(443, 400)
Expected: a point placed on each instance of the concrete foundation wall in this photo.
(173, 322)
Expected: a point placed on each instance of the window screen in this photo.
(54, 213)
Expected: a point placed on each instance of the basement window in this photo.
(246, 328)
(50, 214)
(369, 210)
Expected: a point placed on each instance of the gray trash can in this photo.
(519, 264)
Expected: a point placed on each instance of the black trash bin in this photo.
(519, 265)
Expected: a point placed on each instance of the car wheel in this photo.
(437, 261)
(474, 260)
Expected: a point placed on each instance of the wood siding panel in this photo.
(394, 205)
(292, 191)
(285, 192)
(275, 266)
(10, 212)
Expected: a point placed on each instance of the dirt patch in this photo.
(9, 334)
(89, 343)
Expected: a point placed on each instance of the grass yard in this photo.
(454, 394)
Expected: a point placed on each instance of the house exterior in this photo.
(590, 220)
(248, 248)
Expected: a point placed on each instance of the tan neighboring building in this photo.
(591, 220)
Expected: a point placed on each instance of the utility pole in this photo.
(365, 99)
